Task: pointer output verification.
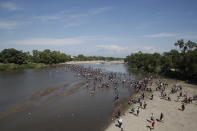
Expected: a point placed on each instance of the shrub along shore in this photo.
(12, 66)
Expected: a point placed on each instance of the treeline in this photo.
(90, 58)
(181, 64)
(19, 57)
(46, 57)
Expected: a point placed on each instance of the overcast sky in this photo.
(97, 27)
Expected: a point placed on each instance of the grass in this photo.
(12, 66)
(7, 67)
(32, 65)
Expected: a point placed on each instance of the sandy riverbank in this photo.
(174, 119)
(95, 62)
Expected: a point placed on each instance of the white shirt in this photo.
(120, 120)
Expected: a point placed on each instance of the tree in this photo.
(184, 60)
(14, 56)
(49, 57)
(36, 56)
(189, 45)
(180, 43)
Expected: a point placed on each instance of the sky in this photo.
(114, 28)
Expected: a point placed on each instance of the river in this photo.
(55, 99)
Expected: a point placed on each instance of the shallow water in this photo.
(61, 101)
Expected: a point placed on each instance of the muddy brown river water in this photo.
(56, 99)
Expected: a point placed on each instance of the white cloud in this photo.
(71, 19)
(9, 6)
(47, 41)
(8, 25)
(161, 35)
(73, 24)
(117, 50)
(147, 49)
(114, 48)
(107, 39)
(67, 18)
(172, 35)
(100, 10)
(188, 36)
(46, 18)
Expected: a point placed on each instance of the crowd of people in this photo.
(146, 86)
(97, 78)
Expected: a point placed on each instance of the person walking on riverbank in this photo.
(153, 124)
(142, 96)
(152, 117)
(183, 107)
(120, 122)
(118, 113)
(145, 105)
(161, 117)
(137, 111)
(151, 97)
(140, 104)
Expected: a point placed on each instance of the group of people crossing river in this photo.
(96, 78)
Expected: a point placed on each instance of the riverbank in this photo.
(95, 62)
(174, 119)
(12, 66)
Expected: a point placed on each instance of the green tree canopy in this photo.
(180, 63)
(14, 56)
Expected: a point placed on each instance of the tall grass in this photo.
(12, 66)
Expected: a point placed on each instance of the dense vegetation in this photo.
(49, 57)
(11, 59)
(180, 63)
(89, 58)
(20, 57)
